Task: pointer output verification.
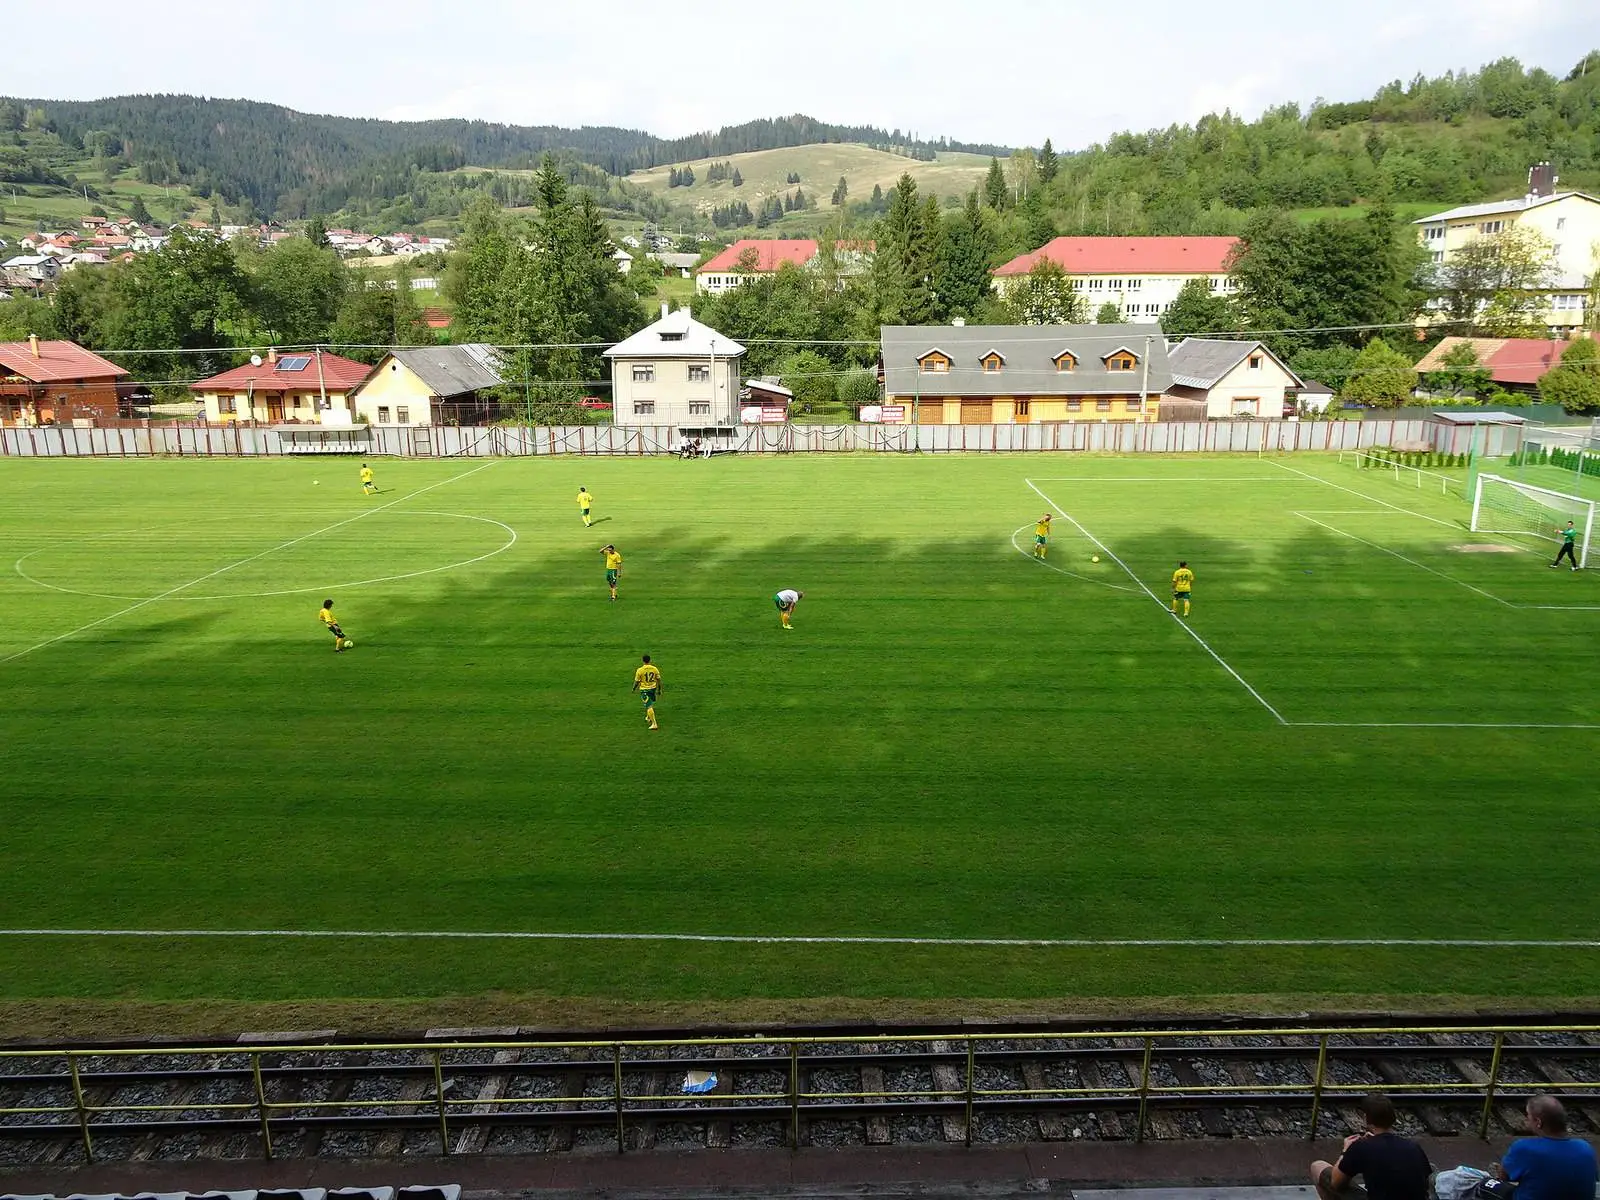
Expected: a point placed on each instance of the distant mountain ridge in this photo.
(279, 158)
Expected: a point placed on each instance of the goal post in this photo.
(1501, 505)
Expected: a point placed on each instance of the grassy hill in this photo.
(819, 166)
(46, 182)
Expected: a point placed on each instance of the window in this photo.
(1561, 223)
(1102, 406)
(699, 372)
(1437, 256)
(992, 363)
(225, 404)
(1114, 284)
(1433, 233)
(1133, 405)
(644, 373)
(1555, 250)
(1066, 361)
(1135, 284)
(935, 363)
(1078, 285)
(1121, 360)
(1074, 405)
(643, 408)
(1096, 285)
(1151, 310)
(383, 414)
(402, 416)
(1023, 406)
(1255, 362)
(1490, 227)
(1131, 312)
(699, 408)
(296, 403)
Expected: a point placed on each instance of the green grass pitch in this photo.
(1364, 731)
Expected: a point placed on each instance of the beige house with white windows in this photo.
(676, 372)
(1569, 221)
(1233, 379)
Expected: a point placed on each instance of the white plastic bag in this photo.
(1458, 1182)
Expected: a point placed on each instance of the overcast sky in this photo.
(1009, 71)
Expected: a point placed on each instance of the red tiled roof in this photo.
(436, 318)
(57, 361)
(1134, 255)
(339, 374)
(1523, 360)
(771, 253)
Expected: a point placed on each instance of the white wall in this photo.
(674, 398)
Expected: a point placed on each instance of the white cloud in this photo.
(1013, 72)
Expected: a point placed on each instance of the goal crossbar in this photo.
(1501, 505)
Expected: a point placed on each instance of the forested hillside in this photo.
(1463, 136)
(289, 163)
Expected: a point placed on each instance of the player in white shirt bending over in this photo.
(786, 600)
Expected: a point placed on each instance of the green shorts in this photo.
(781, 606)
(611, 577)
(648, 695)
(1180, 595)
(1040, 539)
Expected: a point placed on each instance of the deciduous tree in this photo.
(1575, 384)
(1044, 296)
(1381, 376)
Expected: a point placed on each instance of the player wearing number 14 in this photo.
(1182, 586)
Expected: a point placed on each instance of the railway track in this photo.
(497, 1092)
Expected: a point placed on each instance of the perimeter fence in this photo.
(449, 441)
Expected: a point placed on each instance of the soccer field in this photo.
(1363, 766)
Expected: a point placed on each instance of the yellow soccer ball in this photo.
(1094, 558)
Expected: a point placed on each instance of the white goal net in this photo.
(1501, 505)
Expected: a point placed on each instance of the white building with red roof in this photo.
(1142, 276)
(749, 257)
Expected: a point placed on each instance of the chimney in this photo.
(272, 354)
(1541, 180)
(33, 344)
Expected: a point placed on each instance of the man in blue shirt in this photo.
(1550, 1165)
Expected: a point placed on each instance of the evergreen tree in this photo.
(964, 282)
(317, 232)
(1048, 164)
(994, 187)
(906, 259)
(738, 179)
(137, 210)
(1108, 314)
(841, 192)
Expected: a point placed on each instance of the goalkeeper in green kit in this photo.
(1568, 536)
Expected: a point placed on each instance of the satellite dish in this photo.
(255, 360)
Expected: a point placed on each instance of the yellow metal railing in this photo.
(607, 1057)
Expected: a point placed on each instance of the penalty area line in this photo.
(1184, 625)
(183, 587)
(1115, 587)
(811, 940)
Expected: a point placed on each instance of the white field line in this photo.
(1362, 495)
(1115, 587)
(1160, 479)
(1440, 725)
(323, 587)
(1184, 625)
(1413, 562)
(122, 612)
(804, 940)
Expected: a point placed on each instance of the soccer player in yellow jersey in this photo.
(367, 485)
(1182, 585)
(647, 682)
(613, 567)
(585, 503)
(1041, 536)
(325, 615)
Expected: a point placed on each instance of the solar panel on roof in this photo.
(295, 362)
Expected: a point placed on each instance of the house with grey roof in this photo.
(1232, 378)
(430, 385)
(676, 371)
(1019, 374)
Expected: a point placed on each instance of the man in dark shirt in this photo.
(1391, 1167)
(1550, 1165)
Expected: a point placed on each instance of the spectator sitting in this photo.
(685, 447)
(1391, 1167)
(1550, 1165)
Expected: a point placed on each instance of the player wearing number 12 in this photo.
(1041, 536)
(1182, 585)
(647, 682)
(585, 503)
